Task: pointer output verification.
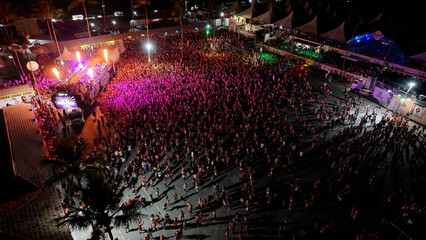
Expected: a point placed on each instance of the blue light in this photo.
(358, 41)
(177, 31)
(165, 33)
(196, 28)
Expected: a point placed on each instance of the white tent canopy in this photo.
(267, 17)
(234, 9)
(285, 22)
(67, 55)
(310, 27)
(337, 34)
(249, 12)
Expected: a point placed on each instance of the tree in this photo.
(178, 14)
(101, 206)
(7, 13)
(139, 3)
(76, 3)
(70, 164)
(44, 10)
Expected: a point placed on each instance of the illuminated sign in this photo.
(17, 94)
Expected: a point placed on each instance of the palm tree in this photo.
(101, 206)
(76, 3)
(178, 14)
(70, 163)
(7, 13)
(45, 11)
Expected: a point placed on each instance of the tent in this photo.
(285, 22)
(419, 57)
(337, 34)
(267, 17)
(216, 14)
(249, 12)
(376, 45)
(234, 9)
(66, 55)
(310, 27)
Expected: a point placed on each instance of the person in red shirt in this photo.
(140, 226)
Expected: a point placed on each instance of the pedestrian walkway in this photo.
(35, 220)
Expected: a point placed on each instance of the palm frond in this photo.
(132, 206)
(92, 170)
(52, 162)
(74, 221)
(55, 178)
(74, 4)
(92, 2)
(121, 220)
(96, 235)
(69, 199)
(139, 3)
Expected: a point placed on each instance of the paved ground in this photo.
(271, 217)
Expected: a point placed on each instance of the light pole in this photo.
(347, 53)
(411, 84)
(103, 10)
(32, 72)
(222, 14)
(56, 39)
(149, 46)
(16, 66)
(401, 100)
(131, 10)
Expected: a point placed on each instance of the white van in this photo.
(358, 84)
(75, 115)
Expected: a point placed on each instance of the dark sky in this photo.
(401, 21)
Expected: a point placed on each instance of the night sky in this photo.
(398, 20)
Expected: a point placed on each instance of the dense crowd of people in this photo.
(328, 57)
(317, 162)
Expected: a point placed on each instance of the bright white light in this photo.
(92, 24)
(78, 56)
(56, 72)
(53, 20)
(208, 26)
(222, 14)
(106, 55)
(149, 46)
(411, 84)
(80, 65)
(389, 90)
(91, 73)
(114, 22)
(134, 12)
